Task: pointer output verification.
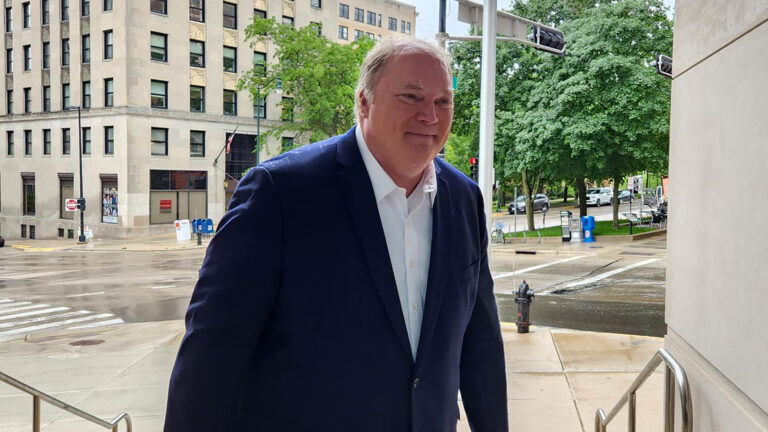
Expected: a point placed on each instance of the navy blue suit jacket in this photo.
(295, 322)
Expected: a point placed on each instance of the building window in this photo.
(8, 19)
(287, 114)
(315, 4)
(197, 53)
(46, 141)
(378, 20)
(260, 62)
(86, 48)
(286, 143)
(260, 108)
(343, 33)
(109, 140)
(372, 18)
(230, 102)
(27, 100)
(196, 99)
(46, 55)
(158, 46)
(27, 57)
(359, 13)
(392, 24)
(9, 61)
(109, 92)
(407, 28)
(28, 194)
(230, 15)
(27, 143)
(107, 5)
(46, 98)
(370, 35)
(358, 34)
(85, 8)
(86, 102)
(230, 59)
(197, 143)
(109, 199)
(317, 26)
(343, 10)
(66, 141)
(159, 97)
(108, 44)
(159, 142)
(65, 10)
(64, 96)
(86, 140)
(197, 10)
(288, 20)
(46, 15)
(159, 6)
(26, 15)
(66, 191)
(65, 52)
(9, 102)
(9, 143)
(258, 13)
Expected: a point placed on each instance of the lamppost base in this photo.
(81, 240)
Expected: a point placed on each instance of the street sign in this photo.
(71, 204)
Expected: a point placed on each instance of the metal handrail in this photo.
(673, 374)
(37, 395)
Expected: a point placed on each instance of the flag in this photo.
(229, 142)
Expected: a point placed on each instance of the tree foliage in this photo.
(317, 76)
(598, 112)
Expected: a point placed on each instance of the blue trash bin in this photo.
(588, 225)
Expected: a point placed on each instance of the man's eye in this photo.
(409, 96)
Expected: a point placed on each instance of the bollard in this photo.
(523, 298)
(199, 238)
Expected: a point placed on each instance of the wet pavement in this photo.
(608, 287)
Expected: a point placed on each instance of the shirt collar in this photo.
(382, 183)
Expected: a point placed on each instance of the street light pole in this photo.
(258, 115)
(81, 201)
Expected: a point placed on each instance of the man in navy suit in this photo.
(363, 306)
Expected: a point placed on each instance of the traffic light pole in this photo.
(487, 109)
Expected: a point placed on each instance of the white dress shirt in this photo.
(407, 223)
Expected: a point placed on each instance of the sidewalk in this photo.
(158, 242)
(556, 378)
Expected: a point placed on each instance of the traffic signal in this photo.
(663, 65)
(550, 38)
(473, 168)
(81, 204)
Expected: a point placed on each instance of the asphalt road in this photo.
(552, 217)
(602, 288)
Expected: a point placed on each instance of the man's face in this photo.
(409, 119)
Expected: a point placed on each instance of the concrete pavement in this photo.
(556, 378)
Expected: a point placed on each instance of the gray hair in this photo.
(377, 58)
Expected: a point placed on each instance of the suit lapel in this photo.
(439, 263)
(356, 187)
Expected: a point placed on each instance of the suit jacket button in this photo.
(416, 382)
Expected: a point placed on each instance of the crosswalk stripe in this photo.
(98, 324)
(541, 266)
(5, 300)
(34, 312)
(43, 318)
(13, 304)
(37, 306)
(53, 324)
(608, 274)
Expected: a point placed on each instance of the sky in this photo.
(428, 10)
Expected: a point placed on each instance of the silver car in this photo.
(540, 202)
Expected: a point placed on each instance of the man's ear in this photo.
(364, 104)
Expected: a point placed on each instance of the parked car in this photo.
(625, 196)
(540, 202)
(599, 196)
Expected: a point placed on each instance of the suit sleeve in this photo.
(483, 372)
(236, 289)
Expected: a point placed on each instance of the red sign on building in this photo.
(165, 206)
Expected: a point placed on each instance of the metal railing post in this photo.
(669, 400)
(35, 413)
(632, 411)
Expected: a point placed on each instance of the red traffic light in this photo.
(473, 161)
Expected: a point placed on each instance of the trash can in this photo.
(565, 225)
(588, 225)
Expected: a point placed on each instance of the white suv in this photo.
(599, 196)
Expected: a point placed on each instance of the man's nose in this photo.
(427, 113)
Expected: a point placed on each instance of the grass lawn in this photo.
(602, 228)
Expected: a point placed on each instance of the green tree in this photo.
(318, 75)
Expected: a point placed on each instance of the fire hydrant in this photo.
(523, 298)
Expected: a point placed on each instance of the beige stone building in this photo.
(155, 80)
